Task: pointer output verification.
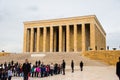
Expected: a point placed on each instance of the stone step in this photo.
(52, 58)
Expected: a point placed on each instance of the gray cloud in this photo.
(33, 8)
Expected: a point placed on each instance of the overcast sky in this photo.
(14, 12)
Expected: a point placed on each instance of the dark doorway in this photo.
(64, 38)
(56, 39)
(35, 39)
(41, 40)
(87, 35)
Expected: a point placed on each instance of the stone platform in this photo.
(89, 73)
(93, 70)
(47, 58)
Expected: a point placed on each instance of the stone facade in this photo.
(73, 34)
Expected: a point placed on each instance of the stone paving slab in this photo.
(89, 73)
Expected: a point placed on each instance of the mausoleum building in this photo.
(74, 34)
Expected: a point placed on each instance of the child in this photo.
(10, 74)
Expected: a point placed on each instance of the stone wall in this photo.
(110, 57)
(3, 53)
(100, 40)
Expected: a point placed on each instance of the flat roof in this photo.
(68, 18)
(58, 19)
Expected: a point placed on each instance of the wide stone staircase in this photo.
(48, 58)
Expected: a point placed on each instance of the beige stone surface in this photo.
(51, 39)
(38, 39)
(60, 38)
(75, 38)
(31, 40)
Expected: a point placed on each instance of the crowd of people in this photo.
(39, 69)
(7, 70)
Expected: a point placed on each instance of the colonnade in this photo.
(60, 38)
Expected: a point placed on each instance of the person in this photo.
(72, 66)
(47, 70)
(26, 69)
(0, 72)
(81, 66)
(32, 70)
(42, 71)
(63, 67)
(37, 70)
(36, 63)
(10, 74)
(51, 69)
(39, 62)
(55, 68)
(4, 75)
(118, 69)
(12, 62)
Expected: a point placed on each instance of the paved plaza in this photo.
(89, 73)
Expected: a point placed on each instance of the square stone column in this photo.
(92, 36)
(44, 39)
(68, 37)
(31, 40)
(51, 39)
(60, 38)
(75, 37)
(83, 38)
(25, 39)
(38, 38)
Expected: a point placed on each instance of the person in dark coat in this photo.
(36, 63)
(12, 62)
(26, 69)
(81, 66)
(42, 71)
(118, 69)
(72, 66)
(39, 62)
(63, 67)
